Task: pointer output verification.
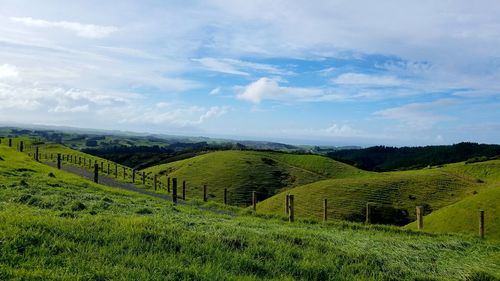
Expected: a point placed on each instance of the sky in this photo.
(332, 72)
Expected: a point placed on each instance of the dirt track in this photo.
(105, 180)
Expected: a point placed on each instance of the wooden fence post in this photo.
(420, 217)
(133, 175)
(59, 161)
(36, 154)
(291, 215)
(174, 190)
(325, 210)
(124, 172)
(96, 173)
(287, 203)
(225, 196)
(481, 223)
(155, 180)
(368, 213)
(143, 178)
(183, 190)
(108, 168)
(254, 201)
(102, 166)
(21, 146)
(168, 184)
(116, 170)
(10, 142)
(204, 193)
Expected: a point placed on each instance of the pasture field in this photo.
(242, 172)
(402, 191)
(463, 216)
(57, 226)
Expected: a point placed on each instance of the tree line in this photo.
(386, 158)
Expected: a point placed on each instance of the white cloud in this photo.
(418, 116)
(340, 130)
(212, 112)
(266, 88)
(130, 52)
(173, 115)
(42, 98)
(220, 66)
(360, 79)
(8, 72)
(215, 91)
(239, 67)
(163, 104)
(334, 130)
(74, 109)
(83, 30)
(20, 102)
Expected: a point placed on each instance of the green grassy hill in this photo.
(400, 192)
(463, 216)
(57, 226)
(487, 171)
(242, 172)
(48, 153)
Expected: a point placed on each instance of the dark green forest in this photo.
(385, 158)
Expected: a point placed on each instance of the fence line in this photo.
(41, 153)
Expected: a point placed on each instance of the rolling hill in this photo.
(463, 216)
(396, 192)
(347, 198)
(346, 188)
(57, 226)
(242, 172)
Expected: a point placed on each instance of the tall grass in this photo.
(57, 226)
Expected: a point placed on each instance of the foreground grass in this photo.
(57, 226)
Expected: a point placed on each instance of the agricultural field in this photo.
(58, 226)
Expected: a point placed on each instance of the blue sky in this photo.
(312, 72)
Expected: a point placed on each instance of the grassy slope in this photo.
(62, 227)
(463, 216)
(488, 171)
(242, 172)
(48, 149)
(348, 197)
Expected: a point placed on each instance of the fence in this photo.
(370, 211)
